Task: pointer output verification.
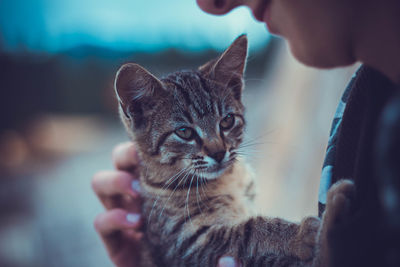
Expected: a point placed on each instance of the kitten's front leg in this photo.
(262, 236)
(259, 241)
(303, 245)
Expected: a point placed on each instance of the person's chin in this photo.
(270, 24)
(272, 29)
(318, 58)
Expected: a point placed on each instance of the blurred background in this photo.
(59, 122)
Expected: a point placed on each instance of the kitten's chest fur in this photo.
(174, 215)
(226, 200)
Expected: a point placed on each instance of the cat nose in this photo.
(218, 156)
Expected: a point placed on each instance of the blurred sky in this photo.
(132, 25)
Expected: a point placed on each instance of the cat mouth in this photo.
(214, 171)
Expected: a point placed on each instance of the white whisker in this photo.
(187, 199)
(197, 192)
(165, 187)
(204, 185)
(165, 204)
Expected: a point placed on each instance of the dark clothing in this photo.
(360, 143)
(330, 157)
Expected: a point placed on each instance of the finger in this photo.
(228, 261)
(112, 225)
(110, 183)
(343, 186)
(122, 201)
(114, 220)
(135, 235)
(125, 156)
(341, 208)
(117, 189)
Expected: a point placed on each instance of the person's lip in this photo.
(260, 9)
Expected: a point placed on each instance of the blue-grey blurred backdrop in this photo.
(59, 122)
(127, 25)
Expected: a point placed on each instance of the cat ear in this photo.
(228, 69)
(132, 84)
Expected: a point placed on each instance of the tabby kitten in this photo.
(197, 192)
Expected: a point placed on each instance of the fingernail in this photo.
(132, 218)
(227, 262)
(136, 186)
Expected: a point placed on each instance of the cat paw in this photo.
(339, 202)
(306, 238)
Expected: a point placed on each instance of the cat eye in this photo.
(227, 122)
(185, 133)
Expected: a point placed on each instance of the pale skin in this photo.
(320, 33)
(120, 234)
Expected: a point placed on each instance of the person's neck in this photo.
(377, 42)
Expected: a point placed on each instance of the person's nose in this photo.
(219, 7)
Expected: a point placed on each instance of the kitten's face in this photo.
(201, 128)
(190, 121)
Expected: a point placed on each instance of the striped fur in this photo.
(197, 192)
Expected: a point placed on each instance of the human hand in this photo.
(120, 225)
(338, 229)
